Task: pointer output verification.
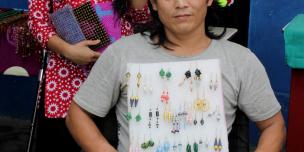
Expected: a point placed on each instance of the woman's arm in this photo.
(39, 21)
(78, 53)
(44, 32)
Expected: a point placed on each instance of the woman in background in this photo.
(64, 72)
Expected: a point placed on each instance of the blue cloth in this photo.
(294, 42)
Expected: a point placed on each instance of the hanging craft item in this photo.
(165, 93)
(75, 25)
(198, 74)
(14, 24)
(187, 77)
(172, 117)
(213, 84)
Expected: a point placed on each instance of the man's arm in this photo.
(273, 134)
(85, 131)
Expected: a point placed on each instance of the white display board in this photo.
(176, 107)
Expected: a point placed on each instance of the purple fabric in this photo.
(109, 20)
(9, 58)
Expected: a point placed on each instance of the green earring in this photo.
(162, 73)
(138, 117)
(128, 116)
(188, 148)
(168, 74)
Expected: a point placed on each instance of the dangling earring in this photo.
(197, 74)
(138, 117)
(180, 147)
(195, 121)
(215, 145)
(195, 147)
(188, 148)
(168, 75)
(127, 76)
(150, 118)
(187, 77)
(157, 117)
(132, 100)
(166, 146)
(215, 83)
(165, 97)
(202, 120)
(128, 116)
(138, 77)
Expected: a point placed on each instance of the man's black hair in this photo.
(155, 28)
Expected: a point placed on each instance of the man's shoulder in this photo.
(233, 47)
(131, 41)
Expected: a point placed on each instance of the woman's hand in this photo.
(80, 53)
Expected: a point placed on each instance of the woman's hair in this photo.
(155, 27)
(120, 7)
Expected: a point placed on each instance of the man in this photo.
(180, 35)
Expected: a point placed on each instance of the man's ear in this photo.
(209, 2)
(153, 2)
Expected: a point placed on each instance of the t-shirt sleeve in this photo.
(256, 97)
(99, 93)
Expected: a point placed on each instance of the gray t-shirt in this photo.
(245, 82)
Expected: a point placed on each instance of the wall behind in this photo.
(19, 4)
(267, 18)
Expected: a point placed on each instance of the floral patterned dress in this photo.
(63, 78)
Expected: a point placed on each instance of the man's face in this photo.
(182, 16)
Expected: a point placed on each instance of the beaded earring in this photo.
(150, 118)
(174, 147)
(187, 77)
(175, 125)
(213, 84)
(138, 79)
(165, 97)
(197, 74)
(202, 120)
(215, 144)
(180, 147)
(147, 87)
(128, 116)
(195, 121)
(157, 117)
(138, 117)
(201, 104)
(127, 77)
(167, 115)
(195, 147)
(218, 114)
(163, 74)
(147, 144)
(188, 148)
(166, 146)
(134, 101)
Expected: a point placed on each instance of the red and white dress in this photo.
(63, 78)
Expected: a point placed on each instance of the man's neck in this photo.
(189, 44)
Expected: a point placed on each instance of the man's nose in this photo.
(180, 4)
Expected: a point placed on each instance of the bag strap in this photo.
(51, 6)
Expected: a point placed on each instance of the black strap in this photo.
(51, 6)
